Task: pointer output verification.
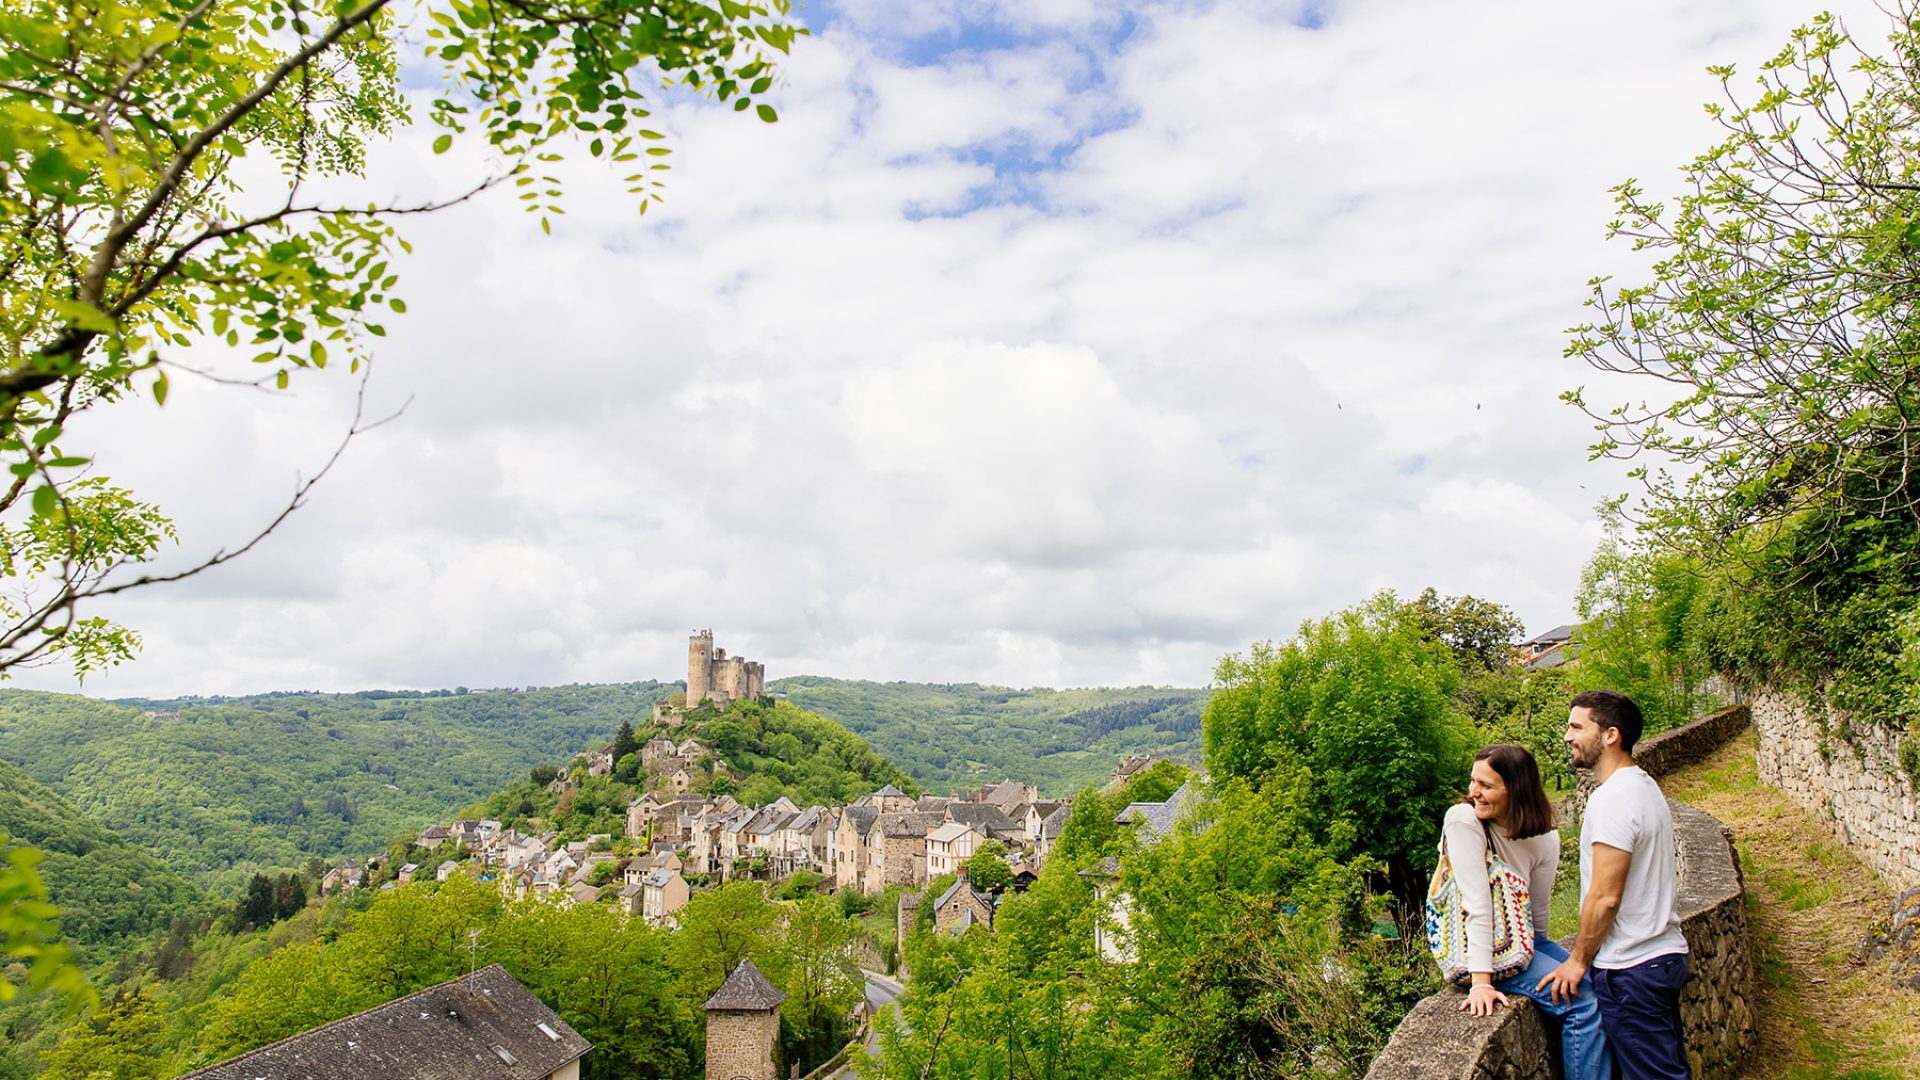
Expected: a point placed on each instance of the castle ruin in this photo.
(711, 673)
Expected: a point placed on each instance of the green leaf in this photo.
(766, 113)
(45, 500)
(441, 144)
(160, 388)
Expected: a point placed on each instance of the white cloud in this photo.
(1006, 355)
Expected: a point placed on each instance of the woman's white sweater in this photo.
(1536, 859)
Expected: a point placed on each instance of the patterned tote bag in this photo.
(1447, 921)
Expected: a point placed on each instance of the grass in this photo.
(1823, 1013)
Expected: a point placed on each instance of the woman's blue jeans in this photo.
(1583, 1046)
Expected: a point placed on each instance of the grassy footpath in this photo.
(1822, 1012)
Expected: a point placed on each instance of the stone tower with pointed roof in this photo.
(743, 1026)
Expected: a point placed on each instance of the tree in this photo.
(117, 1044)
(1364, 700)
(1777, 324)
(1481, 632)
(126, 244)
(623, 741)
(988, 869)
(29, 930)
(813, 963)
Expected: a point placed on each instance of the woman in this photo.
(1507, 806)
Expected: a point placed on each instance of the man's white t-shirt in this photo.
(1628, 812)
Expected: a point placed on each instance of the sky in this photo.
(1040, 343)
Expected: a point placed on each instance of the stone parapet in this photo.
(1437, 1041)
(1668, 751)
(1847, 773)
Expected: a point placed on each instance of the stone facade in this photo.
(712, 674)
(743, 1026)
(1847, 773)
(1437, 1041)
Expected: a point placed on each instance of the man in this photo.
(1629, 934)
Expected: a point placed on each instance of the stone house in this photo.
(641, 812)
(600, 763)
(663, 893)
(988, 820)
(432, 837)
(889, 800)
(963, 907)
(950, 846)
(406, 873)
(484, 1026)
(903, 847)
(1130, 766)
(852, 863)
(743, 1026)
(347, 875)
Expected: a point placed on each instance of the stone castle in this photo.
(711, 673)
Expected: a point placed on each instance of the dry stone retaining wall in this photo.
(1849, 774)
(1437, 1041)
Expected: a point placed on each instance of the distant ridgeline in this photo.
(217, 787)
(952, 736)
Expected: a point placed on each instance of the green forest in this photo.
(218, 788)
(952, 736)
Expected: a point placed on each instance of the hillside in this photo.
(218, 787)
(955, 735)
(108, 890)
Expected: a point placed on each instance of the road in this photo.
(882, 991)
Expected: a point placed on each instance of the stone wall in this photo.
(740, 1044)
(1663, 753)
(1848, 774)
(1437, 1041)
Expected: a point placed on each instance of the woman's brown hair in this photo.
(1528, 811)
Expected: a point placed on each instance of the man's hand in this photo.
(1482, 999)
(1565, 980)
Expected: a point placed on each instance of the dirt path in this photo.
(1822, 1012)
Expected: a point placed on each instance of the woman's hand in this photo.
(1482, 999)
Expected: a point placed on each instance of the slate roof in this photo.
(863, 818)
(746, 990)
(440, 1033)
(1158, 817)
(908, 823)
(1056, 822)
(986, 817)
(889, 791)
(962, 883)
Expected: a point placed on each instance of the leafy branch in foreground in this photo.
(1779, 323)
(127, 235)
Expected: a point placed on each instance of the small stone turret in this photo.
(743, 1026)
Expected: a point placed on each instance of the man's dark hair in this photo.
(1528, 811)
(1613, 709)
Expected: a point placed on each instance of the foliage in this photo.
(218, 788)
(107, 890)
(783, 749)
(1364, 700)
(1778, 459)
(988, 869)
(29, 934)
(954, 736)
(1480, 632)
(1636, 608)
(125, 128)
(116, 1044)
(1245, 960)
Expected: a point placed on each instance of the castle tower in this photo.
(699, 667)
(743, 1026)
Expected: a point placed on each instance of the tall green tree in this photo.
(1774, 440)
(1364, 699)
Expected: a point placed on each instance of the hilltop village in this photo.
(687, 831)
